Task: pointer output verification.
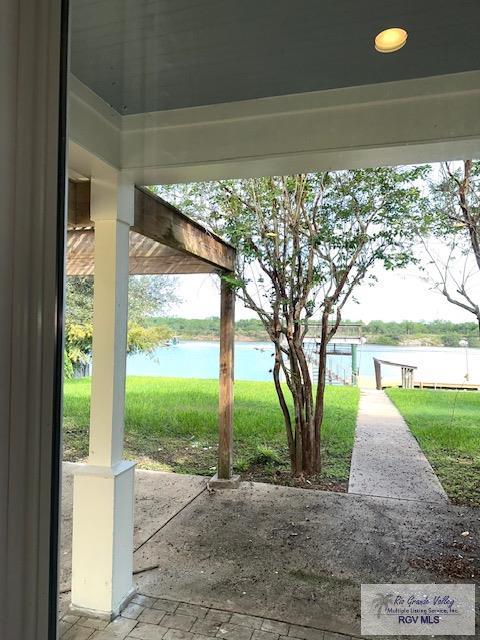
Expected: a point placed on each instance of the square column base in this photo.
(102, 544)
(224, 483)
(102, 615)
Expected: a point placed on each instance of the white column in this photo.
(102, 556)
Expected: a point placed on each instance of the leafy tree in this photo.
(78, 342)
(304, 243)
(454, 219)
(147, 296)
(150, 296)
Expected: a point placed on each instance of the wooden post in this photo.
(354, 364)
(227, 335)
(378, 373)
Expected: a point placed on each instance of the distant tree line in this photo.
(209, 328)
(436, 333)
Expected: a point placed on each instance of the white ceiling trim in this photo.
(93, 124)
(421, 120)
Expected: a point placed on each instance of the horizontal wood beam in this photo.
(162, 222)
(79, 203)
(145, 256)
(396, 364)
(163, 266)
(141, 266)
(199, 251)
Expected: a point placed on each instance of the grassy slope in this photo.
(447, 426)
(171, 424)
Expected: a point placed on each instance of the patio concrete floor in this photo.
(285, 554)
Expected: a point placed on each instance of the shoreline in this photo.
(246, 339)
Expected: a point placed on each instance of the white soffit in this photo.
(420, 120)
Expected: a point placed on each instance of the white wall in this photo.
(30, 244)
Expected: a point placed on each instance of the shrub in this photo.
(242, 464)
(266, 455)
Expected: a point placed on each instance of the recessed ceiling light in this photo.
(390, 40)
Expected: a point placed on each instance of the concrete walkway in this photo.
(387, 460)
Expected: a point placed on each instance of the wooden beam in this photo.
(163, 266)
(162, 222)
(163, 229)
(79, 203)
(78, 266)
(227, 335)
(146, 256)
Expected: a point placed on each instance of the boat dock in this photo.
(460, 386)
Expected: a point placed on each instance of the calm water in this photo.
(254, 360)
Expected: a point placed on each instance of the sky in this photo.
(399, 295)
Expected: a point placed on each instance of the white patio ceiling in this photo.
(172, 92)
(142, 55)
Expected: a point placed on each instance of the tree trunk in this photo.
(286, 413)
(81, 369)
(325, 335)
(309, 456)
(299, 426)
(320, 397)
(301, 389)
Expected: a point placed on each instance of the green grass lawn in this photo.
(447, 427)
(172, 425)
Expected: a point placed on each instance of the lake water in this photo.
(254, 361)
